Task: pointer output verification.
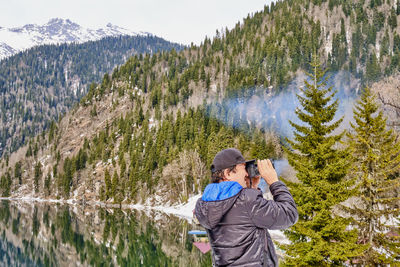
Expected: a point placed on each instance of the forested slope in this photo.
(163, 116)
(41, 84)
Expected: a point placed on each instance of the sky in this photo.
(182, 21)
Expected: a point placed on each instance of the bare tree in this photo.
(389, 103)
(176, 175)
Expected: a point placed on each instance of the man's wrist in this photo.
(274, 181)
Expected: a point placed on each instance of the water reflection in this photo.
(43, 234)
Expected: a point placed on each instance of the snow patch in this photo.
(181, 210)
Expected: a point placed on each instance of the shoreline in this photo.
(184, 211)
(180, 210)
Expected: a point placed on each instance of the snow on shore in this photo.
(33, 199)
(181, 210)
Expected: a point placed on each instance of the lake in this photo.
(54, 234)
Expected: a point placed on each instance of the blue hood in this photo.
(221, 191)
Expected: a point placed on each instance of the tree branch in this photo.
(390, 104)
(387, 102)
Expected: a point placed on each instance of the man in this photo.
(237, 217)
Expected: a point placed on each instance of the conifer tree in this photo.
(201, 143)
(398, 8)
(212, 147)
(114, 184)
(319, 238)
(217, 142)
(102, 194)
(5, 184)
(107, 181)
(376, 167)
(18, 172)
(37, 176)
(47, 183)
(122, 165)
(133, 178)
(66, 181)
(259, 149)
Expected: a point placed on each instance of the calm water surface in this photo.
(48, 234)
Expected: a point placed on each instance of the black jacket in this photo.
(237, 219)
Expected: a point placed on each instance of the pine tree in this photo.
(225, 138)
(68, 176)
(212, 148)
(216, 142)
(47, 183)
(29, 151)
(201, 143)
(122, 165)
(5, 184)
(319, 238)
(37, 175)
(259, 148)
(51, 131)
(133, 180)
(18, 172)
(107, 181)
(398, 8)
(114, 184)
(376, 159)
(102, 194)
(372, 68)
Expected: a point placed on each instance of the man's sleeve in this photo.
(276, 214)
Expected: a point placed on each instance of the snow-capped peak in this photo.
(56, 30)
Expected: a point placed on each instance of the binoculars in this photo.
(252, 169)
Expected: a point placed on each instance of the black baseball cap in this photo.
(227, 158)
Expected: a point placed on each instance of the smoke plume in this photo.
(268, 110)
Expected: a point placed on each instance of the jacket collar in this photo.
(221, 191)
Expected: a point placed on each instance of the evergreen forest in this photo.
(41, 84)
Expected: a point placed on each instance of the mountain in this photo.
(41, 84)
(148, 131)
(55, 31)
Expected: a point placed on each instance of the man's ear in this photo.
(226, 174)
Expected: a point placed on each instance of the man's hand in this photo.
(267, 171)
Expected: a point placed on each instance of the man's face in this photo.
(238, 175)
